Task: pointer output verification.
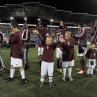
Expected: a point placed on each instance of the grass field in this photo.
(82, 86)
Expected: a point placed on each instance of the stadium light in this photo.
(39, 20)
(25, 19)
(51, 20)
(11, 18)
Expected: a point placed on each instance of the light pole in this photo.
(51, 20)
(38, 20)
(11, 18)
(25, 19)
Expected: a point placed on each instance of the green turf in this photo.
(82, 86)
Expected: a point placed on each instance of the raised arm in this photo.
(61, 40)
(13, 38)
(41, 40)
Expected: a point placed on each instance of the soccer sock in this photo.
(22, 72)
(50, 79)
(42, 78)
(61, 64)
(58, 63)
(91, 71)
(69, 71)
(40, 63)
(64, 71)
(12, 72)
(88, 70)
(82, 64)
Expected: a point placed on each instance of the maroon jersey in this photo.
(60, 33)
(82, 37)
(1, 37)
(16, 46)
(44, 32)
(91, 54)
(25, 38)
(68, 48)
(48, 51)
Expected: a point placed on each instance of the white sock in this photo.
(88, 70)
(2, 63)
(12, 72)
(22, 72)
(69, 71)
(91, 71)
(42, 78)
(50, 79)
(64, 72)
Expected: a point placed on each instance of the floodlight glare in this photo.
(38, 19)
(51, 20)
(11, 18)
(25, 18)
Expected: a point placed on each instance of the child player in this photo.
(91, 57)
(47, 65)
(68, 54)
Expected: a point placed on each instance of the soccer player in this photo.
(44, 31)
(1, 61)
(91, 57)
(93, 32)
(47, 65)
(25, 45)
(16, 53)
(83, 42)
(68, 54)
(59, 34)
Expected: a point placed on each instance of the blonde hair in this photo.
(51, 38)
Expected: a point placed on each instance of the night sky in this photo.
(78, 6)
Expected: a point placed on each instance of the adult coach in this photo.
(16, 52)
(25, 45)
(1, 61)
(93, 32)
(82, 41)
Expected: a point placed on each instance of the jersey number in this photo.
(60, 36)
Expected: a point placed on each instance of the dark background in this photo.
(80, 6)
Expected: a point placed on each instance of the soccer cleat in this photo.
(24, 81)
(60, 70)
(40, 84)
(63, 79)
(51, 84)
(70, 78)
(91, 75)
(95, 69)
(9, 80)
(81, 72)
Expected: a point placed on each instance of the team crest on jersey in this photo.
(47, 47)
(68, 43)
